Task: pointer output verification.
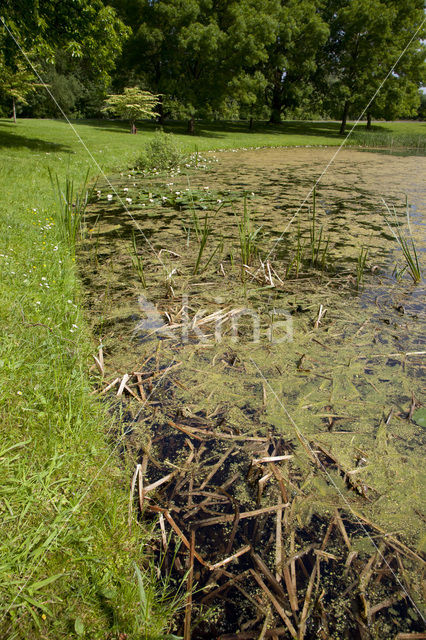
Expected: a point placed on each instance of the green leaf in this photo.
(42, 583)
(109, 593)
(142, 594)
(419, 417)
(79, 626)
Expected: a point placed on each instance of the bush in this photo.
(162, 153)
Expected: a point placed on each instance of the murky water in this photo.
(309, 349)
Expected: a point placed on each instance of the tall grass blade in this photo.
(406, 243)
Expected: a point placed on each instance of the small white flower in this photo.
(177, 193)
(109, 196)
(151, 200)
(219, 201)
(55, 248)
(19, 393)
(38, 302)
(43, 278)
(75, 326)
(129, 200)
(125, 189)
(206, 188)
(69, 301)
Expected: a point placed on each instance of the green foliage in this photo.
(134, 104)
(162, 153)
(366, 38)
(292, 57)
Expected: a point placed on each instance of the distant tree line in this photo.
(215, 59)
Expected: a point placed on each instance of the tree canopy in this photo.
(217, 58)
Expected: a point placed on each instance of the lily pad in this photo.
(419, 417)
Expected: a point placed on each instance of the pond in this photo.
(271, 335)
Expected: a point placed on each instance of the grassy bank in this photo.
(67, 559)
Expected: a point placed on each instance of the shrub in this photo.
(162, 153)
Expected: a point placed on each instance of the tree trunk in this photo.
(276, 103)
(191, 125)
(275, 116)
(368, 120)
(14, 110)
(251, 123)
(133, 128)
(160, 110)
(344, 117)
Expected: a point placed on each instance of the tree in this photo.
(292, 56)
(87, 31)
(191, 50)
(132, 105)
(16, 83)
(366, 39)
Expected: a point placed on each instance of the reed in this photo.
(70, 208)
(360, 267)
(203, 234)
(318, 244)
(406, 243)
(137, 261)
(248, 237)
(296, 262)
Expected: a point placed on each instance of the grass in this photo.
(67, 566)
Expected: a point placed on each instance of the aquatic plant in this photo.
(137, 261)
(406, 243)
(248, 237)
(203, 234)
(296, 262)
(318, 244)
(360, 267)
(71, 207)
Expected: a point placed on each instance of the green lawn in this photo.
(65, 547)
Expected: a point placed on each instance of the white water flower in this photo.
(129, 200)
(109, 196)
(125, 189)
